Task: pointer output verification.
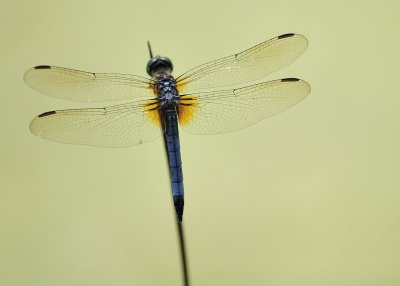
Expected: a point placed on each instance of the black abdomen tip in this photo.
(179, 202)
(290, 79)
(286, 36)
(47, 113)
(42, 67)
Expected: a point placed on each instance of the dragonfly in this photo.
(219, 96)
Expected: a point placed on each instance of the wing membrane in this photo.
(115, 126)
(224, 111)
(250, 65)
(84, 86)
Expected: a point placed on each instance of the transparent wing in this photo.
(250, 65)
(84, 86)
(115, 126)
(229, 110)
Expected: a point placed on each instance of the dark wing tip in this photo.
(47, 113)
(290, 79)
(286, 35)
(42, 67)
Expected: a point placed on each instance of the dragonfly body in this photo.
(208, 99)
(167, 105)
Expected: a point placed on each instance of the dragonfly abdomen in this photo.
(171, 138)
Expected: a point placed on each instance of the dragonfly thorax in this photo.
(166, 90)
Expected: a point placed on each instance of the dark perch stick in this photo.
(183, 253)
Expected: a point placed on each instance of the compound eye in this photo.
(159, 64)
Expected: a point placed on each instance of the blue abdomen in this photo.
(171, 138)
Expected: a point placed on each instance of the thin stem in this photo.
(150, 51)
(183, 253)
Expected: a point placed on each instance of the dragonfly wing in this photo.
(224, 111)
(252, 64)
(84, 86)
(120, 125)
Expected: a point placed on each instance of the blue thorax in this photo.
(166, 90)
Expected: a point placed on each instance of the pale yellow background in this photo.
(308, 197)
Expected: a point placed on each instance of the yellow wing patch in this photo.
(187, 108)
(151, 111)
(181, 87)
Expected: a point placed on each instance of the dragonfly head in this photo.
(159, 64)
